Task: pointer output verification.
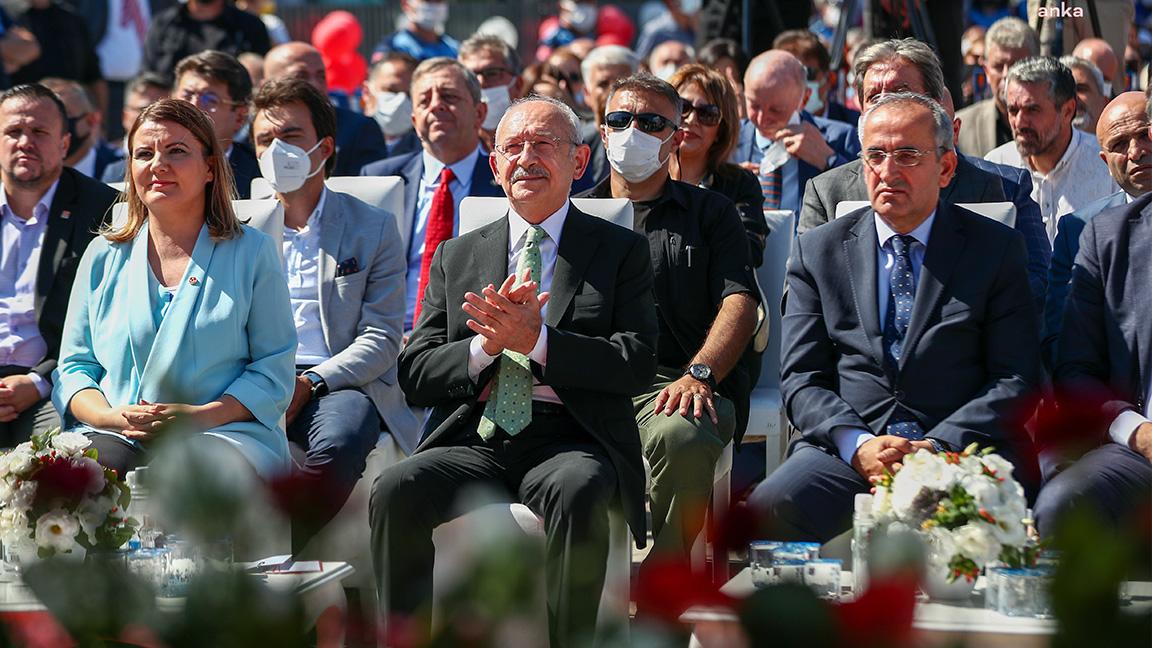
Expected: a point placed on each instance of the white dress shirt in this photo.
(429, 182)
(478, 359)
(121, 51)
(1079, 178)
(21, 343)
(847, 438)
(302, 269)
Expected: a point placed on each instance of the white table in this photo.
(938, 624)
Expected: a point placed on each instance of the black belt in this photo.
(548, 409)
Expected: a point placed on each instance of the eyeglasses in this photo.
(209, 102)
(495, 72)
(902, 157)
(544, 147)
(561, 76)
(708, 114)
(646, 122)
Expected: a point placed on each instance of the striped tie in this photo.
(770, 185)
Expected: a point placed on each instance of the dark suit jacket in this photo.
(105, 155)
(407, 143)
(359, 141)
(1107, 312)
(601, 339)
(1064, 251)
(243, 163)
(840, 136)
(970, 353)
(975, 181)
(410, 167)
(80, 205)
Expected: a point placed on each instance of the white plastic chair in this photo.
(1001, 212)
(478, 211)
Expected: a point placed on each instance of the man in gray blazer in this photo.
(908, 326)
(912, 66)
(345, 271)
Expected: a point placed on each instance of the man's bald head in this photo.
(1124, 143)
(1100, 53)
(775, 67)
(296, 60)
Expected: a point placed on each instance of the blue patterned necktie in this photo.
(901, 292)
(510, 402)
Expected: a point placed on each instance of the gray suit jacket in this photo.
(978, 128)
(362, 306)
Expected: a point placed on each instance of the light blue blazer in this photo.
(228, 330)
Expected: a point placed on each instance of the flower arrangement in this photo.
(966, 504)
(55, 497)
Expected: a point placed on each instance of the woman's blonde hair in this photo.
(716, 87)
(221, 190)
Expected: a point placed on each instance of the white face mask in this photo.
(690, 7)
(814, 104)
(498, 100)
(583, 18)
(286, 166)
(429, 15)
(393, 112)
(1107, 89)
(665, 72)
(635, 155)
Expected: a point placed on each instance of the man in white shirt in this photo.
(1103, 364)
(345, 273)
(44, 206)
(1067, 173)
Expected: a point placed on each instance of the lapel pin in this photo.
(194, 281)
(66, 214)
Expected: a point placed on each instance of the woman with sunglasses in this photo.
(711, 126)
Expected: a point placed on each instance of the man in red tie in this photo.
(447, 113)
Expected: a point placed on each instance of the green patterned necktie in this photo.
(510, 402)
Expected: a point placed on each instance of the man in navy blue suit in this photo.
(780, 142)
(447, 112)
(359, 140)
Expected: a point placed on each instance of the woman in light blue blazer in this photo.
(178, 311)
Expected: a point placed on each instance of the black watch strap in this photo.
(319, 387)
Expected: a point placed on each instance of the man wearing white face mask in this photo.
(706, 308)
(422, 37)
(345, 270)
(780, 142)
(386, 100)
(497, 66)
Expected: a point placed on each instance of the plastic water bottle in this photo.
(862, 523)
(147, 534)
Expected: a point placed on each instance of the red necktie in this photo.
(439, 229)
(130, 13)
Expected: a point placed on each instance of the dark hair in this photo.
(33, 92)
(144, 82)
(644, 82)
(218, 212)
(394, 56)
(219, 67)
(1044, 69)
(803, 44)
(280, 92)
(489, 42)
(717, 88)
(722, 48)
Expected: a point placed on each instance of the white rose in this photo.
(23, 496)
(999, 465)
(13, 524)
(984, 490)
(20, 460)
(92, 514)
(71, 443)
(976, 541)
(57, 530)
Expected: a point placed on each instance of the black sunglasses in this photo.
(708, 114)
(646, 122)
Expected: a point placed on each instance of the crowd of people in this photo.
(567, 362)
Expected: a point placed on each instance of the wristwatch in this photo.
(937, 445)
(319, 387)
(703, 373)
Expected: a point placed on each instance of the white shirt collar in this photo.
(462, 169)
(921, 233)
(553, 225)
(42, 205)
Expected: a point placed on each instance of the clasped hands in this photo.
(885, 452)
(507, 317)
(17, 393)
(140, 420)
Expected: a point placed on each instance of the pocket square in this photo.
(347, 267)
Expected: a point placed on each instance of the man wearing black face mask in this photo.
(705, 305)
(88, 153)
(198, 25)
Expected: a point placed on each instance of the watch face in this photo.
(700, 372)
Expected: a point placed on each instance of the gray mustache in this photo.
(534, 171)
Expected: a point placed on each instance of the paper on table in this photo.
(284, 564)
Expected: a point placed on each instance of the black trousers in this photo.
(553, 466)
(37, 419)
